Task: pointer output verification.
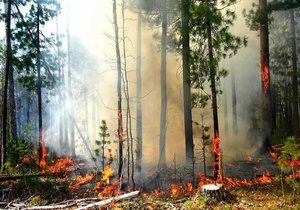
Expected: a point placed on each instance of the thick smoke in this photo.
(91, 25)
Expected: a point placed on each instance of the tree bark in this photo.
(294, 78)
(234, 118)
(39, 82)
(265, 77)
(163, 80)
(5, 88)
(189, 143)
(119, 89)
(139, 122)
(212, 69)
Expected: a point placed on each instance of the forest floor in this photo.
(41, 192)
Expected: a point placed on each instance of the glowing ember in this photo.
(217, 154)
(26, 159)
(43, 150)
(250, 159)
(190, 187)
(255, 168)
(107, 173)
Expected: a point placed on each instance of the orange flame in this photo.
(250, 159)
(81, 180)
(26, 159)
(174, 191)
(217, 154)
(265, 178)
(107, 173)
(61, 165)
(43, 148)
(265, 78)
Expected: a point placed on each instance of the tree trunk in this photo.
(39, 84)
(265, 77)
(189, 144)
(71, 126)
(5, 88)
(119, 89)
(294, 79)
(212, 68)
(139, 125)
(234, 117)
(163, 96)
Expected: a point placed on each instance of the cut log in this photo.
(216, 191)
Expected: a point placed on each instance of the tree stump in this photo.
(216, 191)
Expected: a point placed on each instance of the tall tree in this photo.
(265, 76)
(185, 41)
(139, 121)
(295, 97)
(6, 79)
(70, 93)
(163, 96)
(119, 88)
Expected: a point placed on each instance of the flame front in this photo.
(107, 173)
(217, 161)
(43, 150)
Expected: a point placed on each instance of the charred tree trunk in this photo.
(189, 143)
(265, 77)
(294, 79)
(5, 88)
(163, 96)
(234, 117)
(119, 89)
(212, 70)
(139, 125)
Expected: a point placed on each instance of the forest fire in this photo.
(81, 180)
(43, 150)
(61, 165)
(265, 78)
(107, 173)
(217, 161)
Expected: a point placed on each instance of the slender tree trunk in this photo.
(163, 97)
(295, 79)
(225, 108)
(139, 123)
(128, 109)
(39, 84)
(234, 119)
(265, 75)
(119, 89)
(212, 68)
(71, 126)
(189, 143)
(5, 88)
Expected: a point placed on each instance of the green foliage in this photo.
(25, 48)
(289, 155)
(103, 145)
(224, 44)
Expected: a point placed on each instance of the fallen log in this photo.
(108, 201)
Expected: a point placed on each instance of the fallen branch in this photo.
(6, 178)
(108, 201)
